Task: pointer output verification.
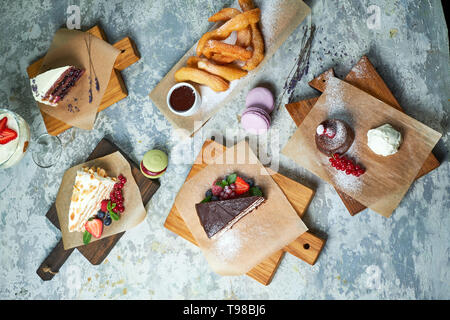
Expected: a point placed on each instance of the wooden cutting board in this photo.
(116, 89)
(96, 251)
(307, 247)
(363, 76)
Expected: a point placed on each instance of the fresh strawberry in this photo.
(94, 227)
(104, 206)
(7, 135)
(216, 189)
(3, 123)
(241, 186)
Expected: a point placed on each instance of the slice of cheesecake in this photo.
(90, 188)
(53, 85)
(217, 217)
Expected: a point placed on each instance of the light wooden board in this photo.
(116, 89)
(363, 76)
(307, 247)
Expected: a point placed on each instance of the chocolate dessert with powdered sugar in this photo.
(334, 136)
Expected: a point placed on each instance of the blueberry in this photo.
(250, 181)
(214, 198)
(100, 214)
(208, 193)
(107, 221)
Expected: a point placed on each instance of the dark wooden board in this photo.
(96, 251)
(365, 77)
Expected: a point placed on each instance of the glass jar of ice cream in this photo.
(14, 138)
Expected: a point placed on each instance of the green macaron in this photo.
(154, 164)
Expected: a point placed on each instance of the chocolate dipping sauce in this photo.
(182, 98)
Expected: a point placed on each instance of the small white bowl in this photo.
(194, 108)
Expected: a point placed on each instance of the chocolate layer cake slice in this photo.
(217, 217)
(53, 85)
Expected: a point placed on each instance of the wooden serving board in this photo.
(116, 89)
(307, 247)
(97, 251)
(363, 76)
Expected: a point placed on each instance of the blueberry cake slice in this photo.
(53, 85)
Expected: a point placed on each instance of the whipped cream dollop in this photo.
(384, 140)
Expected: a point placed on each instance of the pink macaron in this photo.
(255, 120)
(261, 97)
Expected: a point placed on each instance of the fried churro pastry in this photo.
(239, 22)
(226, 72)
(227, 50)
(202, 77)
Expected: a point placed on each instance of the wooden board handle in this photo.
(54, 261)
(306, 247)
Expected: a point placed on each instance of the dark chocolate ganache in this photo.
(182, 98)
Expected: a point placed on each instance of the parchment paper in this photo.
(387, 179)
(114, 165)
(279, 18)
(69, 48)
(256, 236)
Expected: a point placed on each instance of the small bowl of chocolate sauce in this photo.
(183, 99)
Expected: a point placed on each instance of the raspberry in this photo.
(216, 190)
(104, 206)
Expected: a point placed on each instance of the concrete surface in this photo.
(365, 257)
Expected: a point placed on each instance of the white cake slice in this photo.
(53, 85)
(90, 188)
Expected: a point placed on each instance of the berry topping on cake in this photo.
(230, 187)
(216, 189)
(241, 186)
(104, 206)
(94, 227)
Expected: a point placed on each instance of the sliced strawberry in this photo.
(241, 186)
(104, 206)
(94, 227)
(7, 135)
(3, 123)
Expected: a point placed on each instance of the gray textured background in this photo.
(366, 256)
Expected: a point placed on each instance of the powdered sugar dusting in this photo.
(334, 99)
(345, 182)
(228, 245)
(360, 71)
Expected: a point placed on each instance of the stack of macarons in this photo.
(154, 164)
(259, 105)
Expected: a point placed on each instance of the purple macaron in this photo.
(255, 120)
(262, 97)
